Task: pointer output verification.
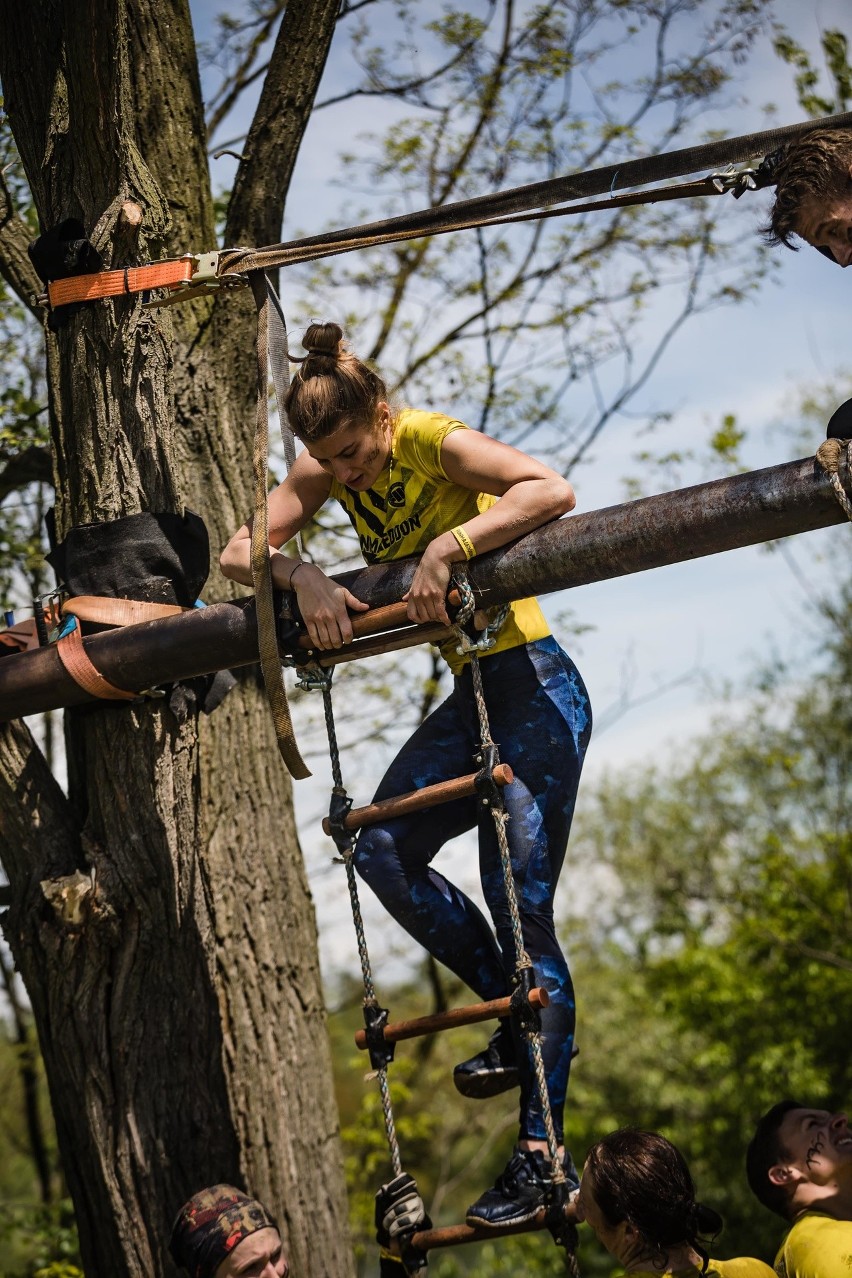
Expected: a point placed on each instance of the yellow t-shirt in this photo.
(412, 502)
(740, 1267)
(818, 1246)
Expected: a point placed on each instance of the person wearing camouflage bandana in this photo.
(222, 1233)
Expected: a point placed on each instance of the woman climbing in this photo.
(638, 1198)
(420, 483)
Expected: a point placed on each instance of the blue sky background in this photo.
(720, 616)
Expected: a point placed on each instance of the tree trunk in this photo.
(161, 917)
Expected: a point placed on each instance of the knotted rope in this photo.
(828, 455)
(472, 648)
(316, 677)
(564, 1234)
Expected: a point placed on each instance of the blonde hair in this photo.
(333, 388)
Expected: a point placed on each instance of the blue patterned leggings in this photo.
(541, 722)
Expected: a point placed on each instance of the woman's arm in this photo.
(324, 604)
(531, 495)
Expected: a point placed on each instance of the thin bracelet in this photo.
(301, 564)
(464, 542)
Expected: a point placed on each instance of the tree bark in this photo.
(161, 917)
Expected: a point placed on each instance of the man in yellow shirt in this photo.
(799, 1165)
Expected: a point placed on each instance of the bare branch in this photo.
(15, 265)
(256, 209)
(636, 384)
(243, 75)
(32, 466)
(402, 88)
(40, 835)
(821, 956)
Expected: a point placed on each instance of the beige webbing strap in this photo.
(117, 612)
(76, 661)
(828, 455)
(270, 660)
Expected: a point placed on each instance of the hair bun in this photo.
(708, 1220)
(332, 388)
(323, 341)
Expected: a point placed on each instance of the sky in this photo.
(697, 625)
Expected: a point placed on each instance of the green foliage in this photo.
(835, 49)
(538, 333)
(711, 959)
(725, 441)
(39, 1241)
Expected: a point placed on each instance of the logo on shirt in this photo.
(396, 495)
(372, 547)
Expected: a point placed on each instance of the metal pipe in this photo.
(688, 523)
(741, 510)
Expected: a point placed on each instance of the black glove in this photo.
(399, 1209)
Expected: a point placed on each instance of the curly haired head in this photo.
(815, 168)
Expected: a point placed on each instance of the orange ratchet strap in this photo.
(105, 611)
(117, 612)
(77, 662)
(195, 271)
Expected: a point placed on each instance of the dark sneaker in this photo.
(491, 1071)
(520, 1190)
(518, 1193)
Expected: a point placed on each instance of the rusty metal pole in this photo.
(686, 524)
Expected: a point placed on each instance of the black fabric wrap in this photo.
(153, 558)
(59, 253)
(64, 251)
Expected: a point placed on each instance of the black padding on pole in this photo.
(64, 251)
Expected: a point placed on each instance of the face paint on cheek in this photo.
(371, 457)
(814, 1151)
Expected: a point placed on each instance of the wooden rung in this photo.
(384, 630)
(455, 1235)
(427, 797)
(376, 644)
(380, 620)
(449, 1020)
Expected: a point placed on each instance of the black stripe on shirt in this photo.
(372, 520)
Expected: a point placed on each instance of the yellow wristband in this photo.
(464, 541)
